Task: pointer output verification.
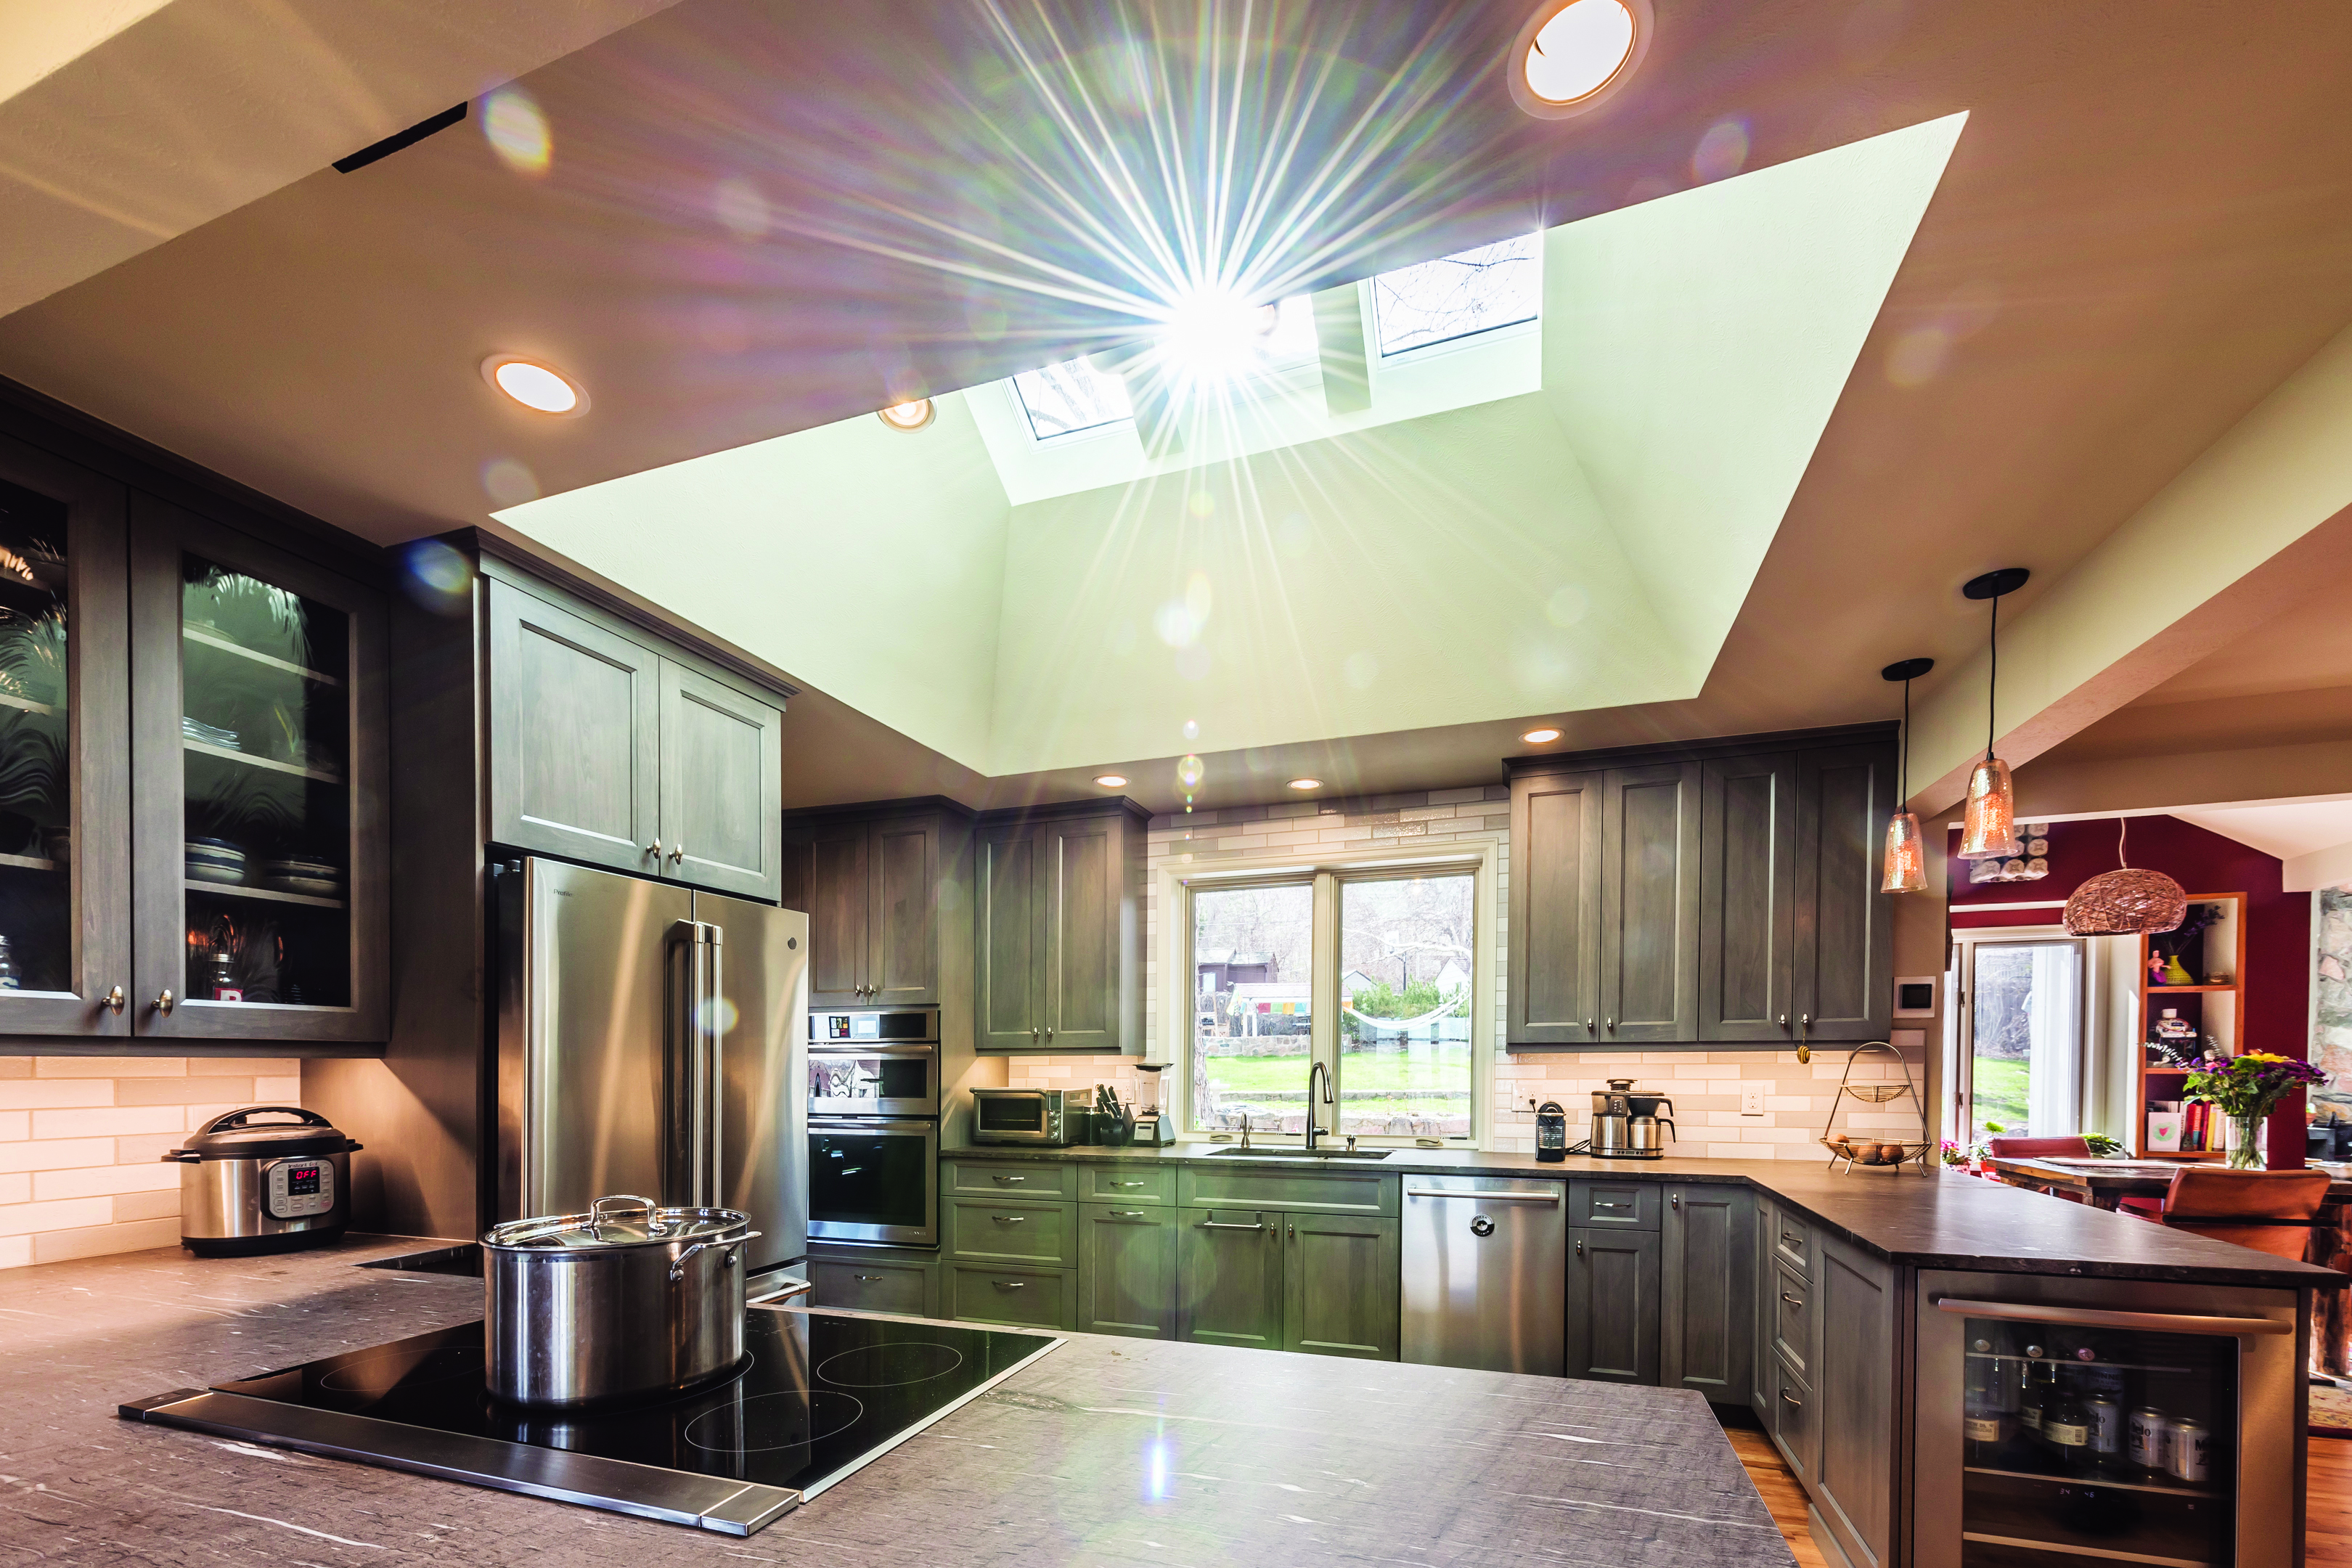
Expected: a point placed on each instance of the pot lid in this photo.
(618, 1221)
(236, 1135)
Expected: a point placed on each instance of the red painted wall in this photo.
(2277, 997)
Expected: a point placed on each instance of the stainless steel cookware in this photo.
(627, 1301)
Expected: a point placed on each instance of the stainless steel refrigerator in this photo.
(651, 1041)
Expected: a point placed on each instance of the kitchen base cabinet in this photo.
(1612, 1305)
(1230, 1279)
(1707, 1288)
(1126, 1270)
(1854, 1379)
(1792, 1420)
(907, 1286)
(1340, 1286)
(1021, 1298)
(991, 1230)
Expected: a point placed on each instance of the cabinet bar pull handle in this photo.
(1012, 1178)
(1792, 1300)
(1226, 1224)
(1010, 1284)
(1788, 1240)
(1008, 1218)
(1483, 1197)
(1126, 1214)
(1792, 1399)
(113, 1002)
(1128, 1184)
(164, 1001)
(870, 1278)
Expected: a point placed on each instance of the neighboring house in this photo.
(1222, 969)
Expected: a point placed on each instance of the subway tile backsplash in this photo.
(1705, 1087)
(82, 1141)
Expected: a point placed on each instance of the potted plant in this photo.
(2245, 1088)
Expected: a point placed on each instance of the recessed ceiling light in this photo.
(1306, 783)
(1573, 54)
(1111, 781)
(1540, 737)
(911, 415)
(534, 386)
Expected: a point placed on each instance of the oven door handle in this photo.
(2101, 1317)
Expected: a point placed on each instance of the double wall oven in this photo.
(874, 1126)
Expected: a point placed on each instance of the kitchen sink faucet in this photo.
(1323, 1070)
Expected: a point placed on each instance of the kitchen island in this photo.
(1104, 1450)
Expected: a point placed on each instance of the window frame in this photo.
(1481, 854)
(1957, 1093)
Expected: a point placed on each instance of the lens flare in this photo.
(517, 131)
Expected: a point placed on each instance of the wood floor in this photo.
(2326, 1537)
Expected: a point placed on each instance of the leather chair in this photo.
(2035, 1149)
(2270, 1211)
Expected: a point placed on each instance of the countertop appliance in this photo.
(825, 1393)
(1612, 1109)
(626, 1301)
(1044, 1118)
(1485, 1273)
(248, 1186)
(651, 1040)
(1551, 1132)
(874, 1126)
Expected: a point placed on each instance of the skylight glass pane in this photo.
(1497, 285)
(1063, 399)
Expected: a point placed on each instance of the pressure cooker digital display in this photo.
(298, 1188)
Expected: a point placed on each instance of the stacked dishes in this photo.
(215, 860)
(314, 878)
(210, 734)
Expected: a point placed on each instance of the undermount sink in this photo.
(1309, 1153)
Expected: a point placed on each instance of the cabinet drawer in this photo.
(1792, 1310)
(1793, 1427)
(1619, 1205)
(1010, 1178)
(1025, 1298)
(1320, 1192)
(1023, 1232)
(1125, 1182)
(1791, 1243)
(887, 1287)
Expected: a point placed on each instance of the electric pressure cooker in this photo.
(248, 1185)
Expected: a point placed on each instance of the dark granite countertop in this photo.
(1943, 1220)
(1106, 1450)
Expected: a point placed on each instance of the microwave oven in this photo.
(1049, 1117)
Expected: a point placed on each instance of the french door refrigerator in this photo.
(651, 1041)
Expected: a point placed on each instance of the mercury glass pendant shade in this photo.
(1988, 827)
(1907, 861)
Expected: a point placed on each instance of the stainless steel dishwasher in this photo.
(1485, 1273)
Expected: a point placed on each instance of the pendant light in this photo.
(2125, 902)
(1907, 857)
(1989, 826)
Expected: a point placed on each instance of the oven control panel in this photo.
(299, 1188)
(899, 1025)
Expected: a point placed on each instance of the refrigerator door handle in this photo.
(691, 1114)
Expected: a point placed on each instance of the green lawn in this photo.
(2000, 1094)
(1447, 1067)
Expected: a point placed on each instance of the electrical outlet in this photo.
(1751, 1100)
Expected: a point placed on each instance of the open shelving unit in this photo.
(2215, 1005)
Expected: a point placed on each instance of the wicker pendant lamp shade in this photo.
(1906, 856)
(2127, 902)
(1988, 825)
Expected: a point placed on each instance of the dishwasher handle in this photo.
(1483, 1197)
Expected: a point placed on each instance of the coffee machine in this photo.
(1627, 1126)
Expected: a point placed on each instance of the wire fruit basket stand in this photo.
(1856, 1148)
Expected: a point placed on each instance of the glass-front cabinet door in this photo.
(258, 720)
(65, 933)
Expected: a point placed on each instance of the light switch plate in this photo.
(1751, 1100)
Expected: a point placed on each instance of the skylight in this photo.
(1498, 285)
(1066, 398)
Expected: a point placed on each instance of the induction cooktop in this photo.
(824, 1394)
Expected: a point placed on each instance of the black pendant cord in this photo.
(1907, 743)
(1993, 685)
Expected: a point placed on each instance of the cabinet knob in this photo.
(113, 1002)
(654, 849)
(677, 853)
(164, 1001)
(1033, 1034)
(1579, 1247)
(1049, 1034)
(1611, 1024)
(1588, 1026)
(1673, 1200)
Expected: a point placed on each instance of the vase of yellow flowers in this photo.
(2245, 1088)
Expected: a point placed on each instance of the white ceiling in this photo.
(1562, 532)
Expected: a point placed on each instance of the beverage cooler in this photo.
(2067, 1422)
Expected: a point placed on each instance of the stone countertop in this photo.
(1105, 1450)
(1943, 1220)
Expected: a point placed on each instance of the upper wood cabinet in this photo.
(1687, 895)
(609, 749)
(192, 775)
(1058, 929)
(886, 892)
